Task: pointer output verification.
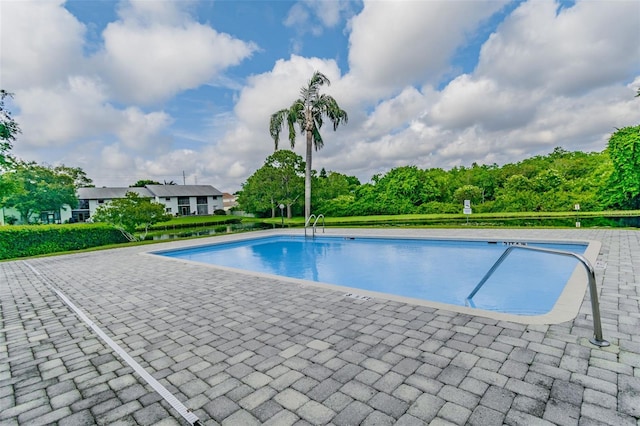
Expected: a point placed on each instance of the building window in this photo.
(184, 207)
(168, 210)
(202, 206)
(100, 201)
(167, 198)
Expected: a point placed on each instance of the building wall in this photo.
(61, 216)
(213, 203)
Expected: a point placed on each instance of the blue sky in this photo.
(149, 89)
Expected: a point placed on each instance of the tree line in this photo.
(607, 180)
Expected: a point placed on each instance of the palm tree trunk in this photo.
(307, 179)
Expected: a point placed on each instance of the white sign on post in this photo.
(467, 207)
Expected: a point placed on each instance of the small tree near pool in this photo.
(130, 213)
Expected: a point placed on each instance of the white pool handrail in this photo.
(307, 223)
(593, 290)
(315, 222)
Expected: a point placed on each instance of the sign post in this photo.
(467, 209)
(282, 206)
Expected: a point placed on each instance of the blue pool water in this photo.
(527, 283)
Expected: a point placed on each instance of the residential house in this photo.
(179, 200)
(229, 201)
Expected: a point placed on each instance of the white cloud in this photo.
(329, 12)
(78, 109)
(303, 15)
(114, 159)
(392, 114)
(41, 42)
(399, 43)
(141, 131)
(170, 164)
(466, 102)
(573, 50)
(298, 16)
(156, 12)
(148, 61)
(61, 113)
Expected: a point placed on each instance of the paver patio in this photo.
(238, 349)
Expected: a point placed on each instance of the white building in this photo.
(182, 200)
(179, 200)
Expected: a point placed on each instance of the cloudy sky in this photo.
(152, 89)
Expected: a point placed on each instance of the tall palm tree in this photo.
(308, 112)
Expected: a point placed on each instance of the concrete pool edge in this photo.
(565, 309)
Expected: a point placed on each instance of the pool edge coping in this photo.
(566, 308)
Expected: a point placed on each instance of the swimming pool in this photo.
(439, 270)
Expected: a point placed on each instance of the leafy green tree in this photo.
(144, 182)
(289, 174)
(517, 195)
(37, 189)
(547, 180)
(308, 113)
(332, 185)
(403, 189)
(279, 180)
(334, 193)
(258, 193)
(8, 130)
(130, 213)
(623, 188)
(443, 184)
(366, 200)
(468, 192)
(485, 177)
(79, 177)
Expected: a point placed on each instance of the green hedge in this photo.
(177, 224)
(32, 240)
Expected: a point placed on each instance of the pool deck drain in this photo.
(238, 349)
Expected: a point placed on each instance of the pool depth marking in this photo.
(157, 386)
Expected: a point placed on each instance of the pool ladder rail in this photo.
(315, 222)
(593, 290)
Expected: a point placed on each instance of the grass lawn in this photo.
(195, 220)
(455, 219)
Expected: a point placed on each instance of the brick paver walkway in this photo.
(240, 350)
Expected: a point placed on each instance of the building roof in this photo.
(106, 193)
(183, 190)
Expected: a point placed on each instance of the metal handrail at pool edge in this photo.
(306, 224)
(593, 291)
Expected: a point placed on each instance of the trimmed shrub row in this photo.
(205, 223)
(32, 240)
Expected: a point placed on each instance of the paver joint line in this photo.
(157, 386)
